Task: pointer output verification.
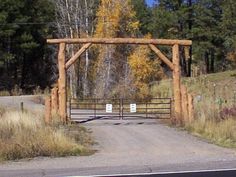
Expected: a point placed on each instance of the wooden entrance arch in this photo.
(174, 65)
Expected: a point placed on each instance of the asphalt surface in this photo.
(130, 146)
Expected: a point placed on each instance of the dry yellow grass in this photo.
(212, 93)
(219, 132)
(24, 135)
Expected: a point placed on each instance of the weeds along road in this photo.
(130, 146)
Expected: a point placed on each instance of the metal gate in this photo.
(113, 109)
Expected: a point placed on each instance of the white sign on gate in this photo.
(109, 108)
(133, 108)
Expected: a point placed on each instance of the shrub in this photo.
(37, 91)
(16, 91)
(228, 112)
(5, 93)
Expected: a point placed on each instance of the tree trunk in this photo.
(23, 72)
(207, 63)
(189, 62)
(190, 24)
(85, 88)
(73, 76)
(183, 62)
(212, 62)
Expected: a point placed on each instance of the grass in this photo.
(212, 94)
(24, 135)
(17, 91)
(222, 133)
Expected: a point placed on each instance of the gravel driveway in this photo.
(130, 146)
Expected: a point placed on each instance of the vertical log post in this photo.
(190, 108)
(62, 82)
(47, 110)
(22, 107)
(184, 97)
(54, 99)
(176, 84)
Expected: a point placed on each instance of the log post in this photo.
(190, 108)
(54, 99)
(176, 84)
(48, 110)
(184, 97)
(62, 82)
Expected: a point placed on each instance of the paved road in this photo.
(130, 146)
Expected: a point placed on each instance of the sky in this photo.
(149, 2)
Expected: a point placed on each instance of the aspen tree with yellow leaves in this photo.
(144, 70)
(115, 18)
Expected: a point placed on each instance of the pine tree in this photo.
(205, 34)
(228, 26)
(22, 45)
(143, 14)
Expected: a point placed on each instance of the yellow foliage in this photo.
(140, 64)
(115, 16)
(144, 70)
(231, 56)
(142, 91)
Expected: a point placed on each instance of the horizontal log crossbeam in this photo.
(121, 41)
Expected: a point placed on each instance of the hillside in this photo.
(218, 85)
(214, 102)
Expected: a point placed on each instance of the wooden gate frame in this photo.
(174, 65)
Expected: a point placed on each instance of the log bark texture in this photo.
(162, 56)
(54, 99)
(120, 41)
(176, 83)
(62, 82)
(77, 55)
(184, 96)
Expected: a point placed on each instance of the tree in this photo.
(74, 20)
(143, 14)
(200, 21)
(22, 32)
(228, 26)
(144, 70)
(172, 19)
(115, 18)
(205, 33)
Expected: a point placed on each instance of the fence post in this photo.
(184, 103)
(48, 110)
(22, 107)
(190, 108)
(54, 99)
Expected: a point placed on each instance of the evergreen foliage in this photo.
(23, 54)
(26, 60)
